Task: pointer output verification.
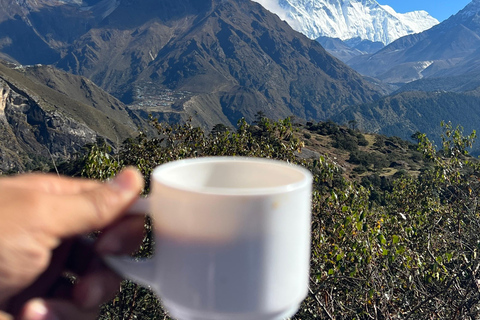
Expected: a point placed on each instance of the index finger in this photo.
(50, 183)
(95, 208)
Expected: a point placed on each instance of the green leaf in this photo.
(382, 239)
(449, 256)
(359, 226)
(362, 216)
(400, 250)
(395, 239)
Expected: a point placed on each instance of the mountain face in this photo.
(346, 50)
(47, 114)
(451, 48)
(439, 78)
(39, 31)
(405, 113)
(347, 19)
(214, 61)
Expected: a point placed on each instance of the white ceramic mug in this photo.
(232, 239)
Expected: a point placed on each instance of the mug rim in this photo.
(306, 180)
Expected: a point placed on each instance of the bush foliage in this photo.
(411, 253)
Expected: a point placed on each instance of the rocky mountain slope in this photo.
(230, 58)
(46, 115)
(405, 113)
(214, 61)
(348, 49)
(38, 31)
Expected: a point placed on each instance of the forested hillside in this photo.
(403, 248)
(405, 113)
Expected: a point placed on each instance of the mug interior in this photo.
(231, 175)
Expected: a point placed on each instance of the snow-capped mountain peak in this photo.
(348, 19)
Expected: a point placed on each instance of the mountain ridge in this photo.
(41, 124)
(404, 113)
(232, 53)
(212, 61)
(364, 19)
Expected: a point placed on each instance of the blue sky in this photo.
(439, 9)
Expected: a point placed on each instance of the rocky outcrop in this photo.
(28, 132)
(47, 115)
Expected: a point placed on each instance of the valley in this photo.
(148, 97)
(216, 62)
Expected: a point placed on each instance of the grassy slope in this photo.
(115, 125)
(391, 153)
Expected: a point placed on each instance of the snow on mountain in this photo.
(347, 19)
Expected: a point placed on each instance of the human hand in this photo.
(42, 220)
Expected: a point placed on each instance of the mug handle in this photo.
(140, 271)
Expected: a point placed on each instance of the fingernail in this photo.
(122, 181)
(128, 180)
(37, 309)
(93, 296)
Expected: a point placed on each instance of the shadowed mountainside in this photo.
(406, 113)
(40, 124)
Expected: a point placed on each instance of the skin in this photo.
(43, 220)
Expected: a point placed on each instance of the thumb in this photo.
(95, 208)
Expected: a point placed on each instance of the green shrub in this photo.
(367, 159)
(407, 251)
(412, 257)
(324, 128)
(343, 140)
(360, 169)
(361, 140)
